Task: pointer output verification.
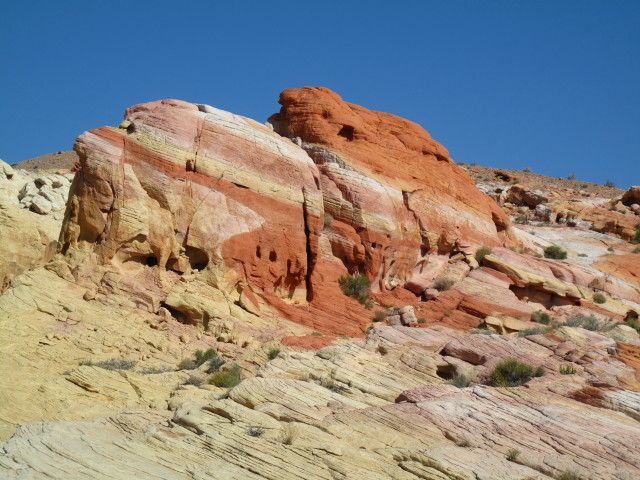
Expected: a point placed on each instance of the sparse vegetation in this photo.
(357, 287)
(481, 253)
(591, 323)
(582, 255)
(194, 380)
(637, 249)
(330, 384)
(572, 177)
(155, 370)
(422, 320)
(273, 353)
(521, 219)
(230, 377)
(633, 323)
(381, 315)
(328, 220)
(567, 369)
(555, 252)
(114, 364)
(637, 236)
(568, 475)
(316, 334)
(599, 298)
(609, 183)
(540, 317)
(513, 454)
(200, 357)
(526, 170)
(531, 331)
(255, 432)
(289, 433)
(443, 284)
(512, 373)
(460, 380)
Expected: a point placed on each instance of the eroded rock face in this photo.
(393, 192)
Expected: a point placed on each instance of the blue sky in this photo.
(549, 85)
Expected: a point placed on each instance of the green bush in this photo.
(599, 298)
(116, 364)
(633, 323)
(460, 380)
(540, 317)
(227, 378)
(512, 373)
(591, 323)
(273, 353)
(200, 357)
(637, 237)
(567, 369)
(255, 431)
(512, 455)
(356, 287)
(531, 331)
(443, 284)
(481, 253)
(555, 252)
(422, 320)
(583, 255)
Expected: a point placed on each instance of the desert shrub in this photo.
(86, 363)
(227, 378)
(155, 370)
(194, 380)
(328, 220)
(568, 475)
(633, 323)
(512, 373)
(591, 323)
(555, 252)
(609, 183)
(422, 320)
(599, 298)
(531, 331)
(610, 249)
(316, 334)
(273, 353)
(443, 284)
(573, 176)
(637, 249)
(255, 431)
(289, 433)
(540, 317)
(512, 455)
(584, 185)
(481, 331)
(460, 380)
(481, 253)
(116, 364)
(567, 369)
(356, 287)
(330, 384)
(521, 219)
(637, 236)
(381, 315)
(582, 255)
(526, 170)
(200, 357)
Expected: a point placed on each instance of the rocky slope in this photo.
(190, 228)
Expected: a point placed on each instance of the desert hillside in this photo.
(328, 295)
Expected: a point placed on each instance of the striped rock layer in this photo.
(182, 192)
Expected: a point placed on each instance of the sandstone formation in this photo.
(188, 228)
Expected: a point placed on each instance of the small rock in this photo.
(89, 295)
(431, 293)
(184, 338)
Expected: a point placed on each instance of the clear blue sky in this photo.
(549, 85)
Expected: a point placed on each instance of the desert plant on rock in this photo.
(567, 369)
(460, 380)
(633, 323)
(609, 183)
(513, 454)
(530, 331)
(555, 252)
(573, 176)
(599, 298)
(443, 284)
(512, 373)
(273, 353)
(116, 364)
(199, 358)
(227, 378)
(194, 380)
(591, 323)
(289, 433)
(481, 253)
(328, 220)
(540, 317)
(356, 286)
(255, 431)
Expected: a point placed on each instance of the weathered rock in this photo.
(631, 196)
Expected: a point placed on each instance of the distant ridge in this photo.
(51, 162)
